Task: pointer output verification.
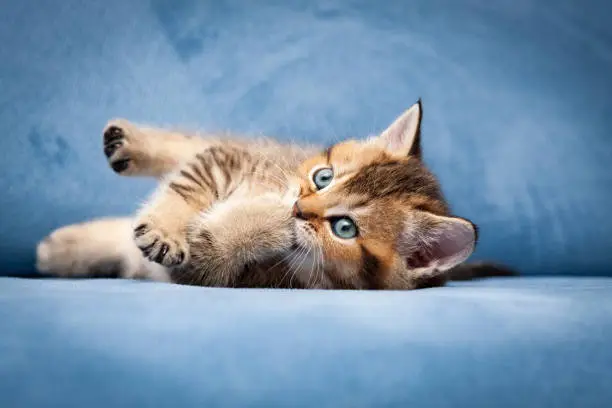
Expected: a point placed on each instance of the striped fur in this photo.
(247, 213)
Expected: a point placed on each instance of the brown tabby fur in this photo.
(246, 213)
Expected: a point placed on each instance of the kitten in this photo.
(361, 214)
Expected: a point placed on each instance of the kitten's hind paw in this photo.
(92, 249)
(159, 246)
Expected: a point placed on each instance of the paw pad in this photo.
(113, 134)
(159, 247)
(115, 148)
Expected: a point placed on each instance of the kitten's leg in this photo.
(140, 151)
(161, 228)
(235, 236)
(99, 248)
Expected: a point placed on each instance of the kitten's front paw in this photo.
(159, 245)
(122, 146)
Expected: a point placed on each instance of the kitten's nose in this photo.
(297, 212)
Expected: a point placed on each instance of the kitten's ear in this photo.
(403, 137)
(436, 242)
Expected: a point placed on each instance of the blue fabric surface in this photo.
(517, 100)
(525, 342)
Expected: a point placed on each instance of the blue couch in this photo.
(517, 125)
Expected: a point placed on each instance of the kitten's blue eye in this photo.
(344, 227)
(323, 177)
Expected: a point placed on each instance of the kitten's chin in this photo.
(302, 238)
(307, 264)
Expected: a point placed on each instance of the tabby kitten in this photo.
(362, 214)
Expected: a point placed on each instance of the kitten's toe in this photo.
(113, 139)
(160, 246)
(120, 141)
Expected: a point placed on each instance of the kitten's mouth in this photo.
(308, 263)
(295, 242)
(299, 237)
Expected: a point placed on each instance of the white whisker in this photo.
(320, 265)
(293, 257)
(284, 260)
(299, 266)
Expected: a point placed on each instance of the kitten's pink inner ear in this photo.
(402, 137)
(441, 246)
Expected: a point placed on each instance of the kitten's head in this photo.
(370, 214)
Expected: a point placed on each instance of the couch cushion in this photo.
(528, 342)
(517, 96)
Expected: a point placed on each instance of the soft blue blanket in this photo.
(529, 342)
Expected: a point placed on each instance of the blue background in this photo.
(517, 98)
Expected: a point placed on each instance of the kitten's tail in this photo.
(477, 270)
